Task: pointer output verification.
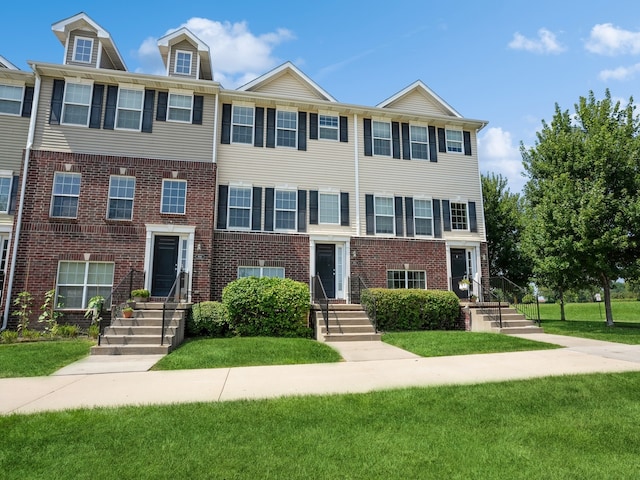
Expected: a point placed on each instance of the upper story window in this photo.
(82, 50)
(260, 272)
(286, 202)
(11, 99)
(121, 191)
(242, 124)
(239, 207)
(419, 142)
(454, 141)
(407, 279)
(381, 132)
(76, 104)
(129, 112)
(5, 193)
(287, 128)
(328, 127)
(180, 107)
(66, 192)
(384, 213)
(422, 217)
(174, 196)
(459, 216)
(329, 208)
(183, 62)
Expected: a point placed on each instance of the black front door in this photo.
(458, 270)
(165, 265)
(326, 267)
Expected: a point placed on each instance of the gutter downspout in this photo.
(357, 166)
(23, 187)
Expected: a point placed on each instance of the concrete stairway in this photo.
(140, 334)
(347, 323)
(512, 322)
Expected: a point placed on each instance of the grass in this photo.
(443, 343)
(246, 351)
(573, 427)
(36, 359)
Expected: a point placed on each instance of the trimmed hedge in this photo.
(406, 310)
(209, 319)
(268, 307)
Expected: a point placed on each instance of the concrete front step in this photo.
(135, 339)
(130, 349)
(132, 330)
(353, 337)
(336, 329)
(346, 321)
(143, 322)
(523, 329)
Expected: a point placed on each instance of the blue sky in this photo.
(507, 62)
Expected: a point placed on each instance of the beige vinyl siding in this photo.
(6, 220)
(417, 102)
(186, 47)
(72, 43)
(14, 139)
(288, 85)
(169, 140)
(105, 62)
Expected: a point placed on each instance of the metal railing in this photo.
(320, 297)
(119, 296)
(175, 296)
(358, 288)
(488, 303)
(523, 300)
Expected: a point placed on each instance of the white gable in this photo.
(418, 98)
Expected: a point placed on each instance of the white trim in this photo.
(21, 86)
(275, 209)
(229, 207)
(162, 196)
(169, 107)
(356, 154)
(393, 216)
(75, 49)
(252, 125)
(419, 85)
(338, 241)
(109, 197)
(295, 137)
(138, 88)
(175, 62)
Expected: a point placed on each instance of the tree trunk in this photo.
(562, 316)
(606, 285)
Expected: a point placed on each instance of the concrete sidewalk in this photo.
(362, 372)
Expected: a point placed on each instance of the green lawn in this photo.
(439, 343)
(34, 359)
(572, 427)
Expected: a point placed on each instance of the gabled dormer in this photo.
(418, 98)
(185, 55)
(87, 44)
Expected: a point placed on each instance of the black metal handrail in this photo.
(358, 287)
(487, 302)
(320, 297)
(119, 296)
(522, 299)
(170, 304)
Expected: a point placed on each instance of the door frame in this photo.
(472, 253)
(343, 254)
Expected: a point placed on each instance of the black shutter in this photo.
(161, 111)
(368, 146)
(110, 107)
(313, 207)
(399, 217)
(223, 197)
(225, 133)
(370, 214)
(96, 106)
(302, 210)
(473, 219)
(27, 101)
(344, 209)
(147, 111)
(442, 141)
(302, 130)
(256, 209)
(344, 129)
(268, 209)
(198, 109)
(258, 139)
(13, 201)
(406, 142)
(56, 102)
(271, 127)
(395, 136)
(408, 205)
(467, 142)
(313, 126)
(437, 223)
(433, 147)
(446, 215)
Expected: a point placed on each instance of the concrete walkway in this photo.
(119, 381)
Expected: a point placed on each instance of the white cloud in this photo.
(620, 73)
(498, 155)
(545, 43)
(606, 39)
(237, 55)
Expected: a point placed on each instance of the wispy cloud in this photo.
(607, 39)
(620, 73)
(499, 155)
(546, 42)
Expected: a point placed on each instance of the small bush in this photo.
(93, 331)
(67, 331)
(406, 310)
(8, 336)
(209, 319)
(528, 298)
(29, 334)
(141, 292)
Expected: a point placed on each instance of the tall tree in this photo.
(503, 218)
(584, 175)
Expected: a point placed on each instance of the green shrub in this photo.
(67, 331)
(30, 334)
(8, 336)
(406, 310)
(528, 298)
(93, 331)
(209, 319)
(268, 307)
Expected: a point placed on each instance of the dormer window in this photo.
(82, 50)
(183, 62)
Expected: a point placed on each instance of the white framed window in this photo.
(129, 111)
(328, 127)
(381, 132)
(242, 124)
(260, 272)
(286, 202)
(422, 217)
(5, 193)
(384, 215)
(4, 250)
(419, 137)
(174, 196)
(180, 108)
(407, 279)
(121, 192)
(459, 216)
(329, 208)
(286, 129)
(454, 141)
(239, 215)
(183, 62)
(66, 192)
(82, 50)
(76, 104)
(78, 282)
(11, 99)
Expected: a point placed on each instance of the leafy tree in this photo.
(582, 202)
